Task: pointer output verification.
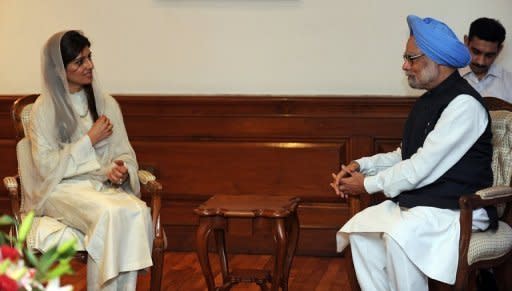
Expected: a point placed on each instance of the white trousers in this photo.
(124, 281)
(381, 264)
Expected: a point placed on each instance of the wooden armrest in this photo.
(494, 192)
(151, 185)
(149, 182)
(149, 168)
(145, 176)
(493, 196)
(482, 198)
(471, 202)
(11, 184)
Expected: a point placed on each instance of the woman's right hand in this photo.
(100, 130)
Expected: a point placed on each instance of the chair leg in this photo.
(434, 285)
(502, 275)
(462, 282)
(158, 265)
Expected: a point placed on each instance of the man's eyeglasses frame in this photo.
(410, 58)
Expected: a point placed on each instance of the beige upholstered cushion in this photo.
(502, 143)
(47, 232)
(490, 244)
(25, 117)
(502, 154)
(10, 182)
(145, 176)
(495, 192)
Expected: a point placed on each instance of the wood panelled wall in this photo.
(257, 145)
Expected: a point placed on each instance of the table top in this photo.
(248, 206)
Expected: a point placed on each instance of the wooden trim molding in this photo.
(252, 145)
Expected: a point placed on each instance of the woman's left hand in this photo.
(119, 173)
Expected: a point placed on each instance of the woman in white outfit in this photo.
(84, 169)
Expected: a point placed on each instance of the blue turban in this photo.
(438, 42)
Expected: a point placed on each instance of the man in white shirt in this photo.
(485, 42)
(446, 152)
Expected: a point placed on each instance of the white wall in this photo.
(233, 46)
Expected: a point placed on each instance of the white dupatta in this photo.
(54, 122)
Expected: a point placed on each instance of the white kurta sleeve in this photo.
(76, 158)
(460, 125)
(372, 165)
(83, 158)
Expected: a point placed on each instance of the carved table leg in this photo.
(203, 231)
(293, 230)
(280, 252)
(221, 249)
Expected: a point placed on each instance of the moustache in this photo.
(479, 66)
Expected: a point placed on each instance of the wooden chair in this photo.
(38, 234)
(477, 250)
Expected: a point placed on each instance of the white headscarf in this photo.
(56, 89)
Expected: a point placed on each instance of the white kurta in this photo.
(429, 236)
(117, 225)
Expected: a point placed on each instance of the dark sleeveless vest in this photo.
(471, 173)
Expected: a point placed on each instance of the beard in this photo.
(424, 77)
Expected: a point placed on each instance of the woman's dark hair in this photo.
(71, 45)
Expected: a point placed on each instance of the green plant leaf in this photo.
(25, 226)
(67, 249)
(50, 265)
(31, 258)
(4, 265)
(46, 261)
(6, 220)
(63, 268)
(3, 239)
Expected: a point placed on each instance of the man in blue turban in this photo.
(445, 152)
(438, 42)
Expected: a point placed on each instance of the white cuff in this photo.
(370, 184)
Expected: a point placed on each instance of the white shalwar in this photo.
(117, 225)
(422, 241)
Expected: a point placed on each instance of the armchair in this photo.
(46, 231)
(477, 250)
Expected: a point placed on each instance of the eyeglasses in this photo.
(410, 59)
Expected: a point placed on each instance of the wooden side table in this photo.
(214, 215)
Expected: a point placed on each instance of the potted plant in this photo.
(21, 269)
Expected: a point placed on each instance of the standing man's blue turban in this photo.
(438, 42)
